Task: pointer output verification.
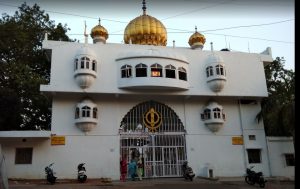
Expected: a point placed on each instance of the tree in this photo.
(24, 67)
(278, 109)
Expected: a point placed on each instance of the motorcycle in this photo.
(81, 176)
(253, 177)
(187, 171)
(50, 174)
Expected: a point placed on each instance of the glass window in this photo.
(207, 114)
(126, 71)
(220, 70)
(289, 159)
(141, 70)
(95, 110)
(252, 137)
(77, 113)
(209, 71)
(217, 113)
(156, 70)
(86, 111)
(170, 71)
(76, 63)
(94, 65)
(254, 155)
(85, 61)
(23, 156)
(182, 74)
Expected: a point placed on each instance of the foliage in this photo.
(24, 67)
(278, 110)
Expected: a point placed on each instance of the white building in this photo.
(165, 104)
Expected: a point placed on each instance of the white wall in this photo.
(277, 147)
(245, 73)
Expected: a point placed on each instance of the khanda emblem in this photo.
(152, 120)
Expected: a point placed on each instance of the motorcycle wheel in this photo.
(249, 181)
(262, 184)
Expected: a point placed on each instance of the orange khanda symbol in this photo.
(152, 120)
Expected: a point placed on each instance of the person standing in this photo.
(123, 165)
(140, 169)
(132, 169)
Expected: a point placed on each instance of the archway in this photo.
(153, 132)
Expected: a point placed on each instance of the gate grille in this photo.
(162, 149)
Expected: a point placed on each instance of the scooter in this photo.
(187, 171)
(50, 174)
(253, 177)
(81, 176)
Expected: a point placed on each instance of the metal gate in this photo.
(152, 132)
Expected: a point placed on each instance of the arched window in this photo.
(141, 70)
(76, 64)
(95, 110)
(94, 65)
(126, 71)
(156, 70)
(170, 71)
(207, 114)
(220, 70)
(86, 111)
(209, 71)
(84, 61)
(217, 113)
(182, 74)
(77, 113)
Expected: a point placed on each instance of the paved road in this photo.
(151, 184)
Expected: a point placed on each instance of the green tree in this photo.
(278, 109)
(24, 67)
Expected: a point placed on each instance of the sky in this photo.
(240, 25)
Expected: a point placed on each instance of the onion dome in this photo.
(145, 30)
(99, 34)
(197, 40)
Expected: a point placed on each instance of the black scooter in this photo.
(50, 174)
(187, 171)
(81, 176)
(253, 177)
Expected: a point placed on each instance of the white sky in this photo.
(272, 21)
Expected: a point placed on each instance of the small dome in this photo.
(145, 30)
(99, 34)
(197, 40)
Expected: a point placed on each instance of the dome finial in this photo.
(195, 28)
(99, 21)
(211, 47)
(144, 7)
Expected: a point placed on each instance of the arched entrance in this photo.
(153, 132)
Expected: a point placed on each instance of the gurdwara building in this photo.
(145, 100)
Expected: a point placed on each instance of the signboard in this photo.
(58, 140)
(238, 140)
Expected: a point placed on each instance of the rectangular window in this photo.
(252, 137)
(289, 159)
(155, 73)
(170, 74)
(23, 156)
(254, 155)
(141, 72)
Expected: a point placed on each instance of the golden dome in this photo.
(145, 30)
(99, 33)
(197, 40)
